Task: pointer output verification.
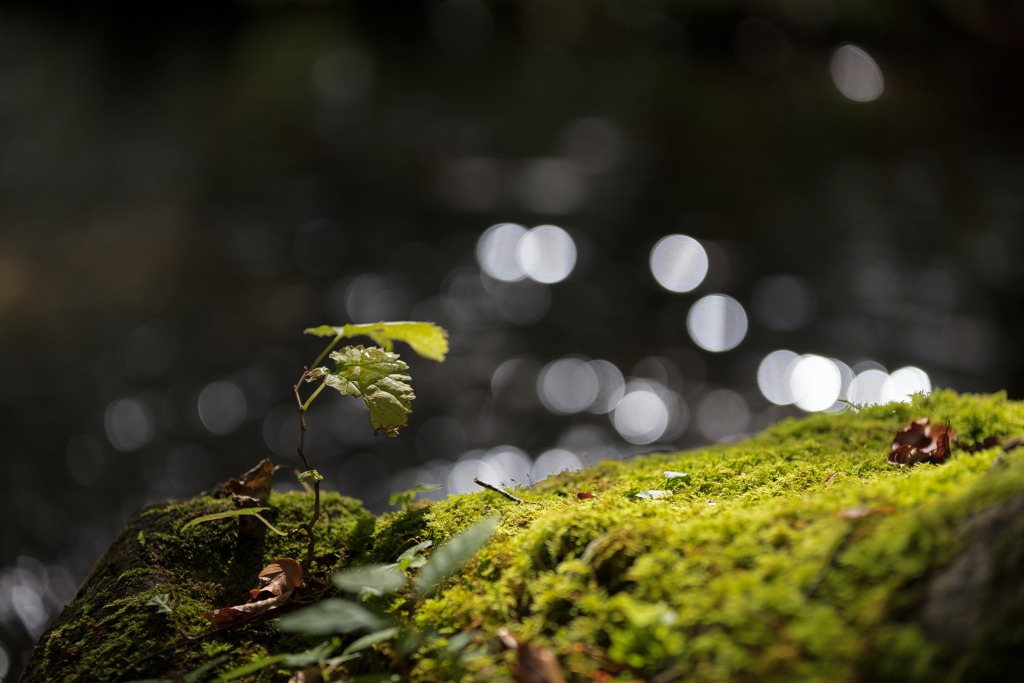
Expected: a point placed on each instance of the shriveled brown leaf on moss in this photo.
(535, 664)
(254, 484)
(230, 615)
(583, 495)
(278, 581)
(921, 441)
(277, 578)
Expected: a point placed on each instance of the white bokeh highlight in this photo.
(611, 386)
(546, 254)
(554, 461)
(567, 386)
(642, 416)
(129, 424)
(773, 375)
(856, 74)
(496, 251)
(717, 323)
(815, 383)
(679, 263)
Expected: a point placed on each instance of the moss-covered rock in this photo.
(799, 554)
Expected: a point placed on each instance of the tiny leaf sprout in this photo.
(374, 374)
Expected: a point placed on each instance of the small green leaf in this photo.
(164, 603)
(255, 512)
(310, 477)
(415, 549)
(454, 553)
(332, 616)
(426, 339)
(379, 378)
(375, 578)
(372, 639)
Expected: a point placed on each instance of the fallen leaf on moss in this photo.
(921, 441)
(831, 478)
(535, 664)
(230, 615)
(583, 495)
(858, 512)
(254, 484)
(278, 581)
(277, 578)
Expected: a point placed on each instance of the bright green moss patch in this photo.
(754, 569)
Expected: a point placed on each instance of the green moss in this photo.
(108, 625)
(747, 572)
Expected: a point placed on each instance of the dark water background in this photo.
(183, 189)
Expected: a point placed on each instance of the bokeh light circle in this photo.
(679, 263)
(496, 251)
(567, 386)
(546, 254)
(856, 74)
(717, 323)
(906, 382)
(641, 416)
(871, 387)
(773, 376)
(815, 383)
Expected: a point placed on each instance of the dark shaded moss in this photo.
(108, 624)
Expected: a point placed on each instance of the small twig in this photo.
(508, 495)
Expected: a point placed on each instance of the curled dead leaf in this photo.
(254, 484)
(278, 581)
(861, 511)
(277, 578)
(921, 441)
(230, 615)
(583, 495)
(831, 478)
(535, 664)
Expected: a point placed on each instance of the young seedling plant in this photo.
(374, 374)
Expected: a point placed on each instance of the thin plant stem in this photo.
(329, 347)
(305, 406)
(308, 526)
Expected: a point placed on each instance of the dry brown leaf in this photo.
(230, 615)
(254, 484)
(858, 512)
(582, 495)
(831, 478)
(921, 441)
(277, 578)
(535, 665)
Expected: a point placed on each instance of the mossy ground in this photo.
(745, 573)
